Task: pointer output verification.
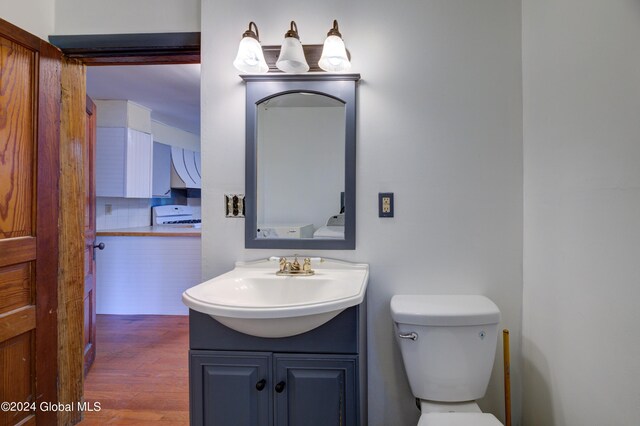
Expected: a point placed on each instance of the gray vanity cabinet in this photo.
(231, 388)
(316, 378)
(237, 389)
(315, 390)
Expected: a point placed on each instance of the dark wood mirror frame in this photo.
(266, 86)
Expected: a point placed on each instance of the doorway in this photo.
(141, 325)
(140, 370)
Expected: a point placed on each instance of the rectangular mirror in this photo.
(300, 161)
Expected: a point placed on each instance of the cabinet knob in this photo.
(280, 387)
(261, 384)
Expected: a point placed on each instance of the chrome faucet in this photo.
(289, 268)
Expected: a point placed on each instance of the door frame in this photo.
(95, 50)
(131, 49)
(89, 298)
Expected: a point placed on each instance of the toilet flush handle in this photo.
(413, 335)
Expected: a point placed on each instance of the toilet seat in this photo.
(458, 419)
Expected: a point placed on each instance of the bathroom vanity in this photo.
(314, 378)
(270, 347)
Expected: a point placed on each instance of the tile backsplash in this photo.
(125, 212)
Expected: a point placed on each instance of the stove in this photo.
(176, 215)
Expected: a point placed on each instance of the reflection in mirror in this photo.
(300, 167)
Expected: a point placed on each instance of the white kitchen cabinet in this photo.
(124, 163)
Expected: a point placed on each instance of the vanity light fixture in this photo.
(334, 54)
(291, 59)
(250, 58)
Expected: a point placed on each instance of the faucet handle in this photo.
(306, 267)
(283, 263)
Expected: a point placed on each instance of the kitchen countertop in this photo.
(151, 231)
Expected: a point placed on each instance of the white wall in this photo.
(126, 16)
(444, 132)
(173, 136)
(581, 63)
(34, 16)
(66, 17)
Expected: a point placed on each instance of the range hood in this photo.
(185, 168)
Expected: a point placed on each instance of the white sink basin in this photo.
(251, 299)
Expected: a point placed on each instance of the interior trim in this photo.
(146, 48)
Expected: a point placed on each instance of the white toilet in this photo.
(448, 344)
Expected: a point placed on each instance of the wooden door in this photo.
(89, 156)
(29, 163)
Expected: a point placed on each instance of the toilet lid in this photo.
(458, 419)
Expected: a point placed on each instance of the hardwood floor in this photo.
(140, 375)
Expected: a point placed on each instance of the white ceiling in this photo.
(172, 92)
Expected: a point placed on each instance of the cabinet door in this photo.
(123, 163)
(138, 164)
(230, 388)
(110, 161)
(161, 170)
(315, 390)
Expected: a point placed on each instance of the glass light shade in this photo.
(291, 57)
(334, 55)
(250, 58)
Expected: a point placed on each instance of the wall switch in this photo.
(385, 204)
(234, 205)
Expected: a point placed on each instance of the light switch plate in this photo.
(234, 205)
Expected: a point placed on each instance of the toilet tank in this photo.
(451, 357)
